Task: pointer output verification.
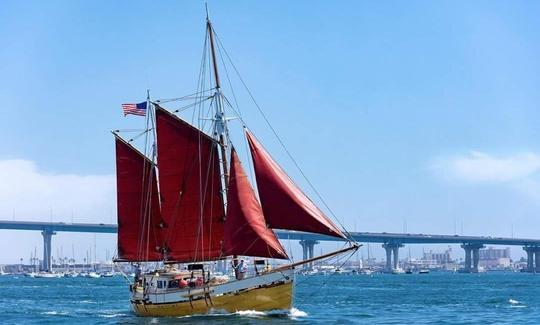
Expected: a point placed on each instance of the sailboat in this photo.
(187, 204)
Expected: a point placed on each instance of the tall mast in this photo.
(221, 122)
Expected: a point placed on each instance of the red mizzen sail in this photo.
(245, 229)
(137, 204)
(285, 206)
(190, 188)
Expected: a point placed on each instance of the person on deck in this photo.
(240, 269)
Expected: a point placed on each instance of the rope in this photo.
(282, 143)
(186, 97)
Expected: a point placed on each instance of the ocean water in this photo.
(435, 298)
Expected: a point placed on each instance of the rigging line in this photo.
(325, 282)
(129, 130)
(186, 97)
(142, 209)
(349, 236)
(200, 85)
(227, 75)
(153, 170)
(291, 256)
(183, 108)
(138, 136)
(203, 194)
(199, 110)
(212, 171)
(336, 257)
(144, 196)
(250, 162)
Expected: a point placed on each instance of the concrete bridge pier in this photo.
(47, 249)
(396, 256)
(388, 257)
(467, 266)
(392, 248)
(533, 258)
(537, 261)
(472, 257)
(307, 251)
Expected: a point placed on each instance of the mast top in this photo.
(213, 49)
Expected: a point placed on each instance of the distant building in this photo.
(492, 253)
(495, 257)
(438, 258)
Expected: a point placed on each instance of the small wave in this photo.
(250, 313)
(111, 315)
(54, 313)
(87, 302)
(294, 312)
(516, 303)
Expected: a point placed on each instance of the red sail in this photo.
(245, 230)
(190, 188)
(137, 204)
(285, 206)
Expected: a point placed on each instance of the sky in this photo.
(419, 116)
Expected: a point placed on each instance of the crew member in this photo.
(240, 269)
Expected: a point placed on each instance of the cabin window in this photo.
(173, 284)
(159, 284)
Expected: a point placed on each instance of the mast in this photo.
(221, 125)
(221, 129)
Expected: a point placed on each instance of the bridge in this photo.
(391, 242)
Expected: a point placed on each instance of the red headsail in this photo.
(190, 188)
(138, 205)
(285, 206)
(245, 230)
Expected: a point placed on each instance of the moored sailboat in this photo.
(188, 204)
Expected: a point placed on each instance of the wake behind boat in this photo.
(185, 202)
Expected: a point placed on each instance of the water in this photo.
(436, 298)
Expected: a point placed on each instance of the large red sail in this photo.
(190, 188)
(245, 229)
(285, 206)
(137, 204)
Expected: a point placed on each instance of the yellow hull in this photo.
(260, 299)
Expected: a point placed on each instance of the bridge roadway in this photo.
(391, 241)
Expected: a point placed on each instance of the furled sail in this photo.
(137, 204)
(285, 206)
(190, 188)
(245, 230)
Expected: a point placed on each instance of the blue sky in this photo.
(418, 113)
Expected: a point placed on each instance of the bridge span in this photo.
(391, 242)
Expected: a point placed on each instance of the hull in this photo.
(272, 291)
(260, 299)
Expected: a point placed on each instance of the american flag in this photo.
(134, 109)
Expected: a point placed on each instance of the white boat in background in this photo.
(398, 271)
(107, 274)
(2, 272)
(343, 271)
(71, 274)
(423, 271)
(365, 272)
(93, 275)
(48, 275)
